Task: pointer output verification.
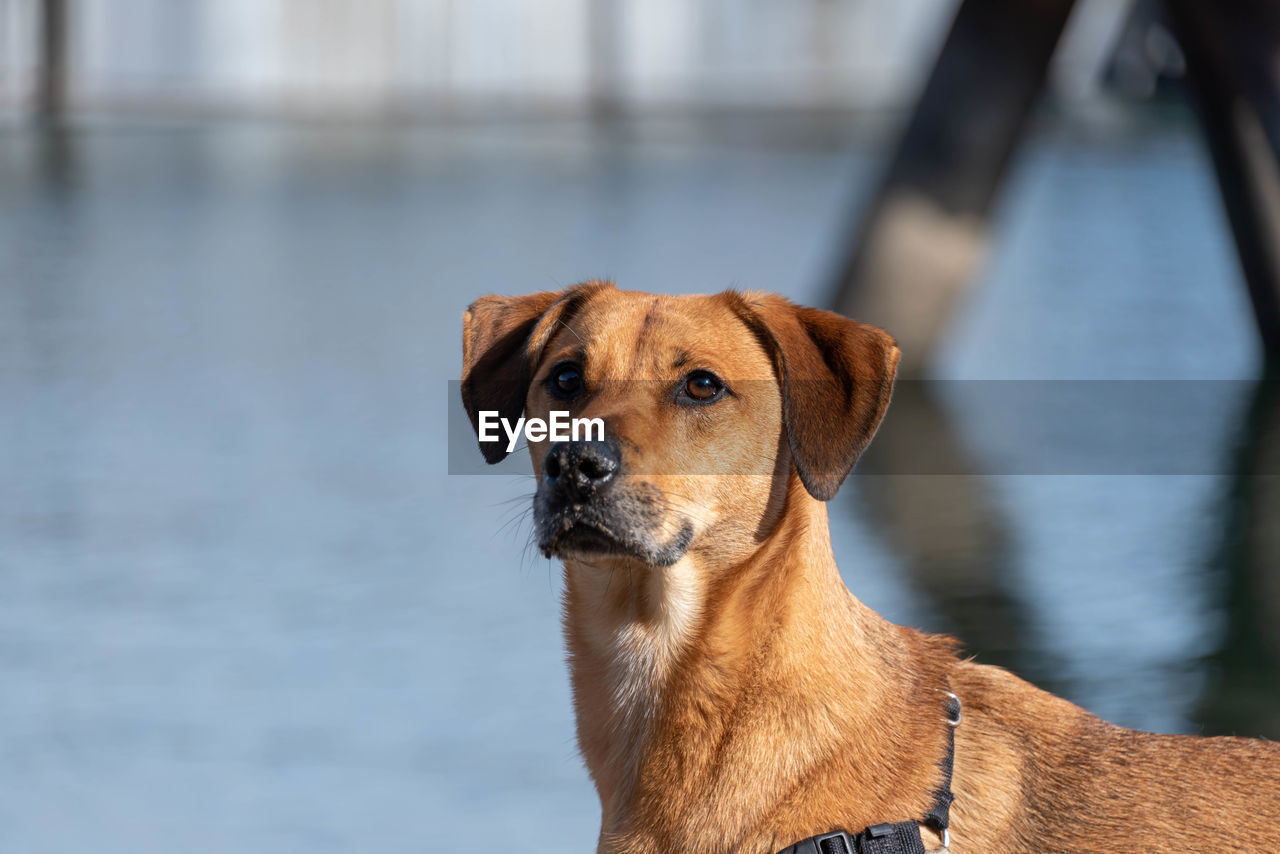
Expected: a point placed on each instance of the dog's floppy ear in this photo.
(836, 376)
(501, 339)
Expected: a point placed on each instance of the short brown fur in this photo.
(741, 698)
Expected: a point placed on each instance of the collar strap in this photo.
(903, 837)
(900, 838)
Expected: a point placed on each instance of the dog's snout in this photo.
(580, 468)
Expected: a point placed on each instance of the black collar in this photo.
(904, 836)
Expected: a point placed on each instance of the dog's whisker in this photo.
(516, 506)
(571, 329)
(509, 501)
(516, 513)
(514, 523)
(604, 597)
(528, 553)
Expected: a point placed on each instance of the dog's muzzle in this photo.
(584, 506)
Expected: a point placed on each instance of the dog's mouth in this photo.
(588, 531)
(584, 539)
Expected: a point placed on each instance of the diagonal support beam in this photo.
(921, 240)
(1232, 51)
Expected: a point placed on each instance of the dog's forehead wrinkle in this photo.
(625, 336)
(650, 317)
(649, 340)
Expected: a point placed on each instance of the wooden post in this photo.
(604, 51)
(925, 233)
(1231, 49)
(51, 92)
(1241, 696)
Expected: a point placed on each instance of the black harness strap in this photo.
(904, 836)
(939, 815)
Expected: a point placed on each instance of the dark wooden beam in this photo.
(921, 240)
(51, 87)
(1232, 52)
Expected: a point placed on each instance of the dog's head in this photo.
(710, 406)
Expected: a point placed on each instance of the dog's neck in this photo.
(674, 668)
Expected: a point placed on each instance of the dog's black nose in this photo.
(580, 468)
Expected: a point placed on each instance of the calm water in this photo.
(243, 606)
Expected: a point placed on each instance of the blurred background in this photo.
(245, 606)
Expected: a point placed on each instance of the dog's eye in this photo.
(702, 387)
(566, 380)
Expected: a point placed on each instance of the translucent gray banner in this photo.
(1001, 427)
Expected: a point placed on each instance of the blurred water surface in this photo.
(243, 606)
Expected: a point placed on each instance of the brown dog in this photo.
(731, 694)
